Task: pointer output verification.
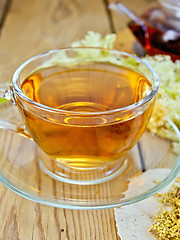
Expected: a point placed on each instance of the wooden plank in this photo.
(32, 27)
(3, 7)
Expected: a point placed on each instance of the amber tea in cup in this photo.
(97, 87)
(85, 108)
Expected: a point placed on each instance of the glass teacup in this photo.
(85, 108)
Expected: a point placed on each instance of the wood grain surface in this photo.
(27, 28)
(4, 6)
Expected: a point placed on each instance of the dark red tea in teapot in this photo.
(158, 28)
(160, 33)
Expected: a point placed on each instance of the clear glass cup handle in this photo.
(5, 92)
(10, 122)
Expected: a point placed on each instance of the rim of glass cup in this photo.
(146, 99)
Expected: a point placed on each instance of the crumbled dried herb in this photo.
(167, 222)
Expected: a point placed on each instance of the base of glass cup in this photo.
(82, 176)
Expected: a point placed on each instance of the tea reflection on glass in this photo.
(85, 108)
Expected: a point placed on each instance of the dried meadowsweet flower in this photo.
(167, 222)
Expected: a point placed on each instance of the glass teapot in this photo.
(158, 28)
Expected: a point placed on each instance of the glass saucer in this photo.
(20, 172)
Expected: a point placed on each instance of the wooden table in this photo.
(28, 28)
